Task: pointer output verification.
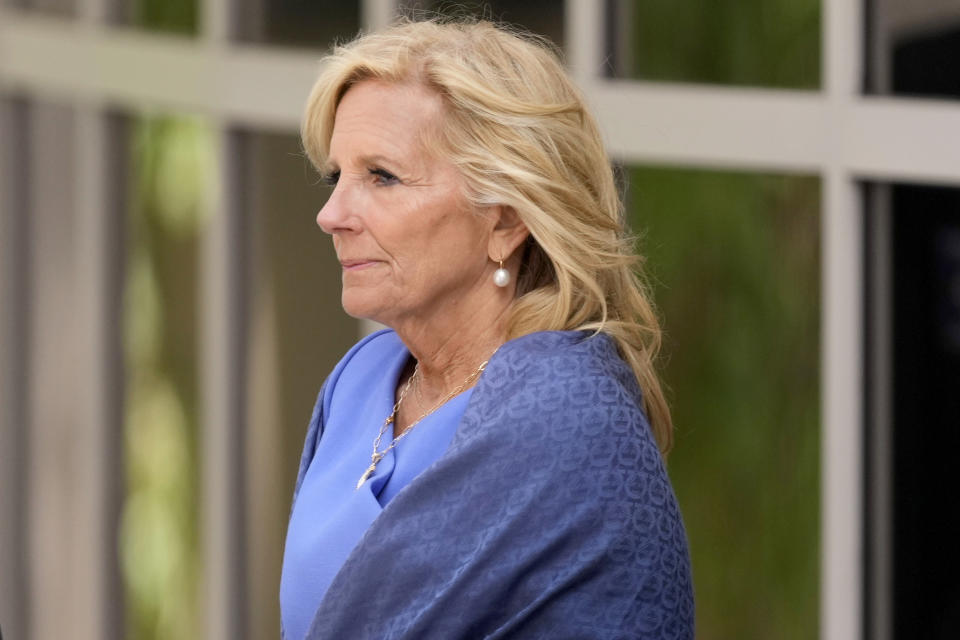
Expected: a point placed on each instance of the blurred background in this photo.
(169, 308)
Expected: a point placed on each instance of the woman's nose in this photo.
(334, 216)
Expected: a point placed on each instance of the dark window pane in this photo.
(734, 261)
(297, 333)
(300, 23)
(914, 48)
(918, 432)
(544, 17)
(769, 43)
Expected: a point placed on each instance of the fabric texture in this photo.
(549, 516)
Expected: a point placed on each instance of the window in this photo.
(734, 259)
(544, 17)
(296, 23)
(914, 48)
(914, 351)
(769, 43)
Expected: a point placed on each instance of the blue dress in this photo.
(548, 515)
(330, 515)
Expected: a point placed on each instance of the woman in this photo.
(486, 467)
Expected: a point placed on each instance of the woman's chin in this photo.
(361, 307)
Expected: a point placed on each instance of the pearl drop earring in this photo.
(501, 277)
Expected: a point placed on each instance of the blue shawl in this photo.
(550, 515)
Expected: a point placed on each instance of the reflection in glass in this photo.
(734, 261)
(769, 43)
(159, 539)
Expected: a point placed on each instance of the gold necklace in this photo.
(377, 456)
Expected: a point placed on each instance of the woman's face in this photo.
(409, 243)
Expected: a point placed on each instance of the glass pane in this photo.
(915, 561)
(170, 160)
(298, 332)
(769, 43)
(914, 48)
(734, 263)
(544, 17)
(315, 24)
(171, 16)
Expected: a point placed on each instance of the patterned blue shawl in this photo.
(550, 516)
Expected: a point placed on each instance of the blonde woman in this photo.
(490, 466)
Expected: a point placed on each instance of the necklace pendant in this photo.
(366, 474)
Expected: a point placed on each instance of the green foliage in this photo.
(734, 260)
(735, 265)
(159, 541)
(175, 16)
(772, 43)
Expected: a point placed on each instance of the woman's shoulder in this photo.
(560, 386)
(560, 360)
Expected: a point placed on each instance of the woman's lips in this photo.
(357, 265)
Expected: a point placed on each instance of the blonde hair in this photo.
(519, 132)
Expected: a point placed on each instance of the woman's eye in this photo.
(384, 177)
(330, 179)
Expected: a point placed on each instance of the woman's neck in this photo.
(450, 348)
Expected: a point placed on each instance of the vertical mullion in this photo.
(100, 393)
(95, 12)
(842, 389)
(98, 460)
(99, 398)
(223, 374)
(216, 21)
(584, 28)
(842, 70)
(223, 380)
(841, 409)
(376, 14)
(14, 327)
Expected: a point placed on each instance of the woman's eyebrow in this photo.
(367, 160)
(377, 158)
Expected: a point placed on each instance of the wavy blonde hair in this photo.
(519, 131)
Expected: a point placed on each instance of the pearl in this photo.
(501, 277)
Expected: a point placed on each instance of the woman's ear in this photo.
(509, 232)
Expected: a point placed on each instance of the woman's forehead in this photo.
(380, 99)
(380, 118)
